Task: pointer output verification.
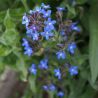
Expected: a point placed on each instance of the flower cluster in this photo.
(39, 23)
(42, 28)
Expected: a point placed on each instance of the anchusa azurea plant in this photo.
(53, 39)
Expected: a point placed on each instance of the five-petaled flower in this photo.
(60, 94)
(73, 70)
(33, 69)
(61, 55)
(57, 73)
(43, 64)
(71, 47)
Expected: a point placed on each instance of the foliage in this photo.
(86, 57)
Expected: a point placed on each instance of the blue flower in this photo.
(29, 32)
(43, 64)
(57, 73)
(37, 9)
(61, 55)
(35, 36)
(46, 13)
(31, 11)
(73, 70)
(25, 20)
(28, 51)
(71, 48)
(25, 42)
(51, 87)
(75, 27)
(45, 6)
(33, 28)
(47, 34)
(33, 69)
(50, 24)
(60, 9)
(45, 87)
(60, 94)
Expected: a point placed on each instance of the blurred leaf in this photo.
(16, 14)
(89, 93)
(27, 93)
(93, 27)
(21, 66)
(1, 65)
(37, 1)
(71, 11)
(10, 36)
(4, 51)
(76, 87)
(9, 24)
(25, 4)
(5, 4)
(51, 94)
(81, 1)
(32, 83)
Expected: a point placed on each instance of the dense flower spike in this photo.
(73, 70)
(39, 22)
(42, 29)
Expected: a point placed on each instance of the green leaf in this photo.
(51, 94)
(81, 1)
(89, 93)
(21, 65)
(32, 83)
(24, 2)
(16, 14)
(93, 27)
(4, 51)
(10, 37)
(71, 11)
(8, 21)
